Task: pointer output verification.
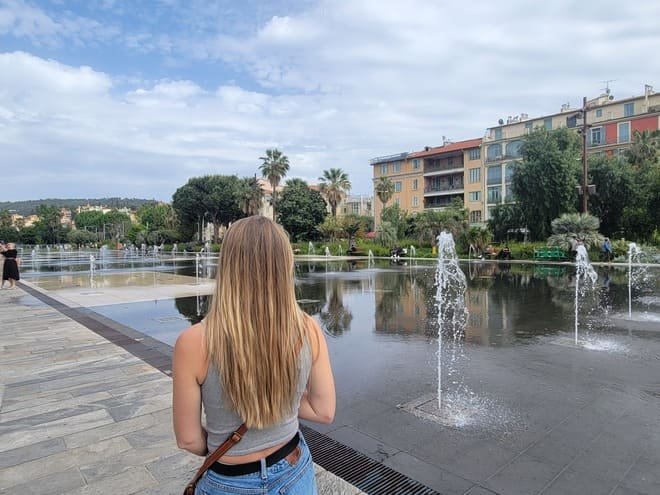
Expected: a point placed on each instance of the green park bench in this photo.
(550, 253)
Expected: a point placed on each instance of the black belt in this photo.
(255, 467)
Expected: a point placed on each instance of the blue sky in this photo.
(131, 98)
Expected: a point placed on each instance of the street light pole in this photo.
(585, 180)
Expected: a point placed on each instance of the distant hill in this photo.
(30, 207)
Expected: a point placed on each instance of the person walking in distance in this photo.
(10, 268)
(256, 361)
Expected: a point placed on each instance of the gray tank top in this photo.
(221, 420)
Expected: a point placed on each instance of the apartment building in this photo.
(611, 127)
(434, 177)
(356, 204)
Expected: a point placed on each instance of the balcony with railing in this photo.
(441, 201)
(433, 189)
(433, 166)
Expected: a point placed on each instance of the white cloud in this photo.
(333, 86)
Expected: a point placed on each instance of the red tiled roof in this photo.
(459, 146)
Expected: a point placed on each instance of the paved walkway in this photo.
(80, 415)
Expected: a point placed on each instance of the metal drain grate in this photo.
(368, 475)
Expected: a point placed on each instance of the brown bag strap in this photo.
(232, 440)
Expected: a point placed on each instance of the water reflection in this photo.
(507, 303)
(335, 317)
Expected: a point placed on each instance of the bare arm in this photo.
(319, 401)
(187, 395)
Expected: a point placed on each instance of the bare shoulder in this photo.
(314, 335)
(190, 340)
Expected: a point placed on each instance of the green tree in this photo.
(89, 219)
(505, 219)
(8, 232)
(640, 216)
(5, 219)
(575, 226)
(334, 186)
(331, 229)
(81, 237)
(157, 216)
(274, 167)
(386, 234)
(428, 224)
(251, 195)
(48, 227)
(301, 210)
(615, 191)
(214, 197)
(545, 181)
(384, 190)
(352, 225)
(397, 218)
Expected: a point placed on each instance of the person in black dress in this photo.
(10, 268)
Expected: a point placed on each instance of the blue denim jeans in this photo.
(279, 479)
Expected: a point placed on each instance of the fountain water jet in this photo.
(450, 298)
(633, 256)
(585, 271)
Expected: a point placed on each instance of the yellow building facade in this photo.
(434, 177)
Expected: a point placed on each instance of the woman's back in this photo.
(222, 420)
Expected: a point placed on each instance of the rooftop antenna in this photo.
(607, 85)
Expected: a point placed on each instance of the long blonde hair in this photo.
(254, 328)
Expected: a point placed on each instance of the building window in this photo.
(624, 132)
(494, 152)
(508, 173)
(498, 133)
(495, 175)
(628, 109)
(475, 175)
(415, 184)
(368, 205)
(528, 127)
(495, 194)
(475, 216)
(397, 186)
(513, 149)
(397, 167)
(547, 123)
(599, 112)
(397, 201)
(356, 208)
(415, 201)
(474, 196)
(415, 164)
(475, 153)
(383, 169)
(596, 136)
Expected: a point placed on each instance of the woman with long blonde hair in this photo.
(257, 359)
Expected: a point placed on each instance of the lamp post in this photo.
(585, 180)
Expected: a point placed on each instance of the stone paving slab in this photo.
(80, 415)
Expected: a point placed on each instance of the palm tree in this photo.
(645, 147)
(334, 186)
(250, 195)
(384, 189)
(275, 166)
(575, 227)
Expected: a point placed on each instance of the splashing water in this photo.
(327, 251)
(310, 248)
(586, 272)
(370, 259)
(634, 254)
(450, 299)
